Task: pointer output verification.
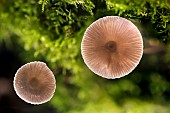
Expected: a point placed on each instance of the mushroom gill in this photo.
(112, 47)
(34, 82)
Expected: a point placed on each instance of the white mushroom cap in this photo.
(35, 83)
(112, 47)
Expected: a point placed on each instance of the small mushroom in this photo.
(112, 47)
(34, 83)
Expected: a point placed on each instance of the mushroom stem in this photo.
(111, 46)
(33, 82)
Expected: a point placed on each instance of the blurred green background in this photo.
(51, 31)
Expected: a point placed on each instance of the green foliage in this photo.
(43, 3)
(51, 30)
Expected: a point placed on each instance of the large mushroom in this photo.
(34, 82)
(112, 47)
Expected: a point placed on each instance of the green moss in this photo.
(52, 30)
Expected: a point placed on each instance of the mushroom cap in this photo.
(112, 47)
(34, 83)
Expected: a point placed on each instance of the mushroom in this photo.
(34, 83)
(112, 47)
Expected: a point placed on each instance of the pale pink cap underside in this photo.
(38, 93)
(129, 47)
